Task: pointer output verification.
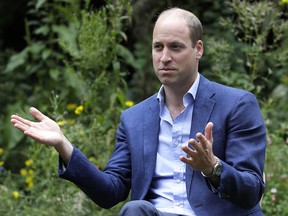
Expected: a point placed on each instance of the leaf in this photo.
(16, 61)
(67, 38)
(125, 54)
(43, 30)
(11, 136)
(39, 4)
(73, 80)
(46, 53)
(54, 73)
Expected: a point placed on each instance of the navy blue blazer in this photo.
(239, 135)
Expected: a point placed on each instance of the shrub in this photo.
(72, 65)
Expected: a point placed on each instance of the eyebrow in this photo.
(170, 42)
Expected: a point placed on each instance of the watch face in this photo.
(217, 168)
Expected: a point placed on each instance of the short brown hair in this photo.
(193, 23)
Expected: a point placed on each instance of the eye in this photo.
(176, 47)
(157, 46)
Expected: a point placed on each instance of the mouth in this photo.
(166, 69)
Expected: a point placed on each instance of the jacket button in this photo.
(225, 196)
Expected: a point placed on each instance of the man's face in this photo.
(175, 61)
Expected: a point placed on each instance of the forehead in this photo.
(171, 27)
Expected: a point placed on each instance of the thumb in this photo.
(37, 114)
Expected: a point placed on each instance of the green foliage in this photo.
(143, 72)
(39, 66)
(37, 189)
(74, 68)
(96, 63)
(71, 71)
(250, 57)
(275, 198)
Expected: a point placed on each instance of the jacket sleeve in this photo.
(106, 188)
(243, 161)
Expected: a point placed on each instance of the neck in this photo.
(174, 102)
(174, 98)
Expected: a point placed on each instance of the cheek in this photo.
(155, 58)
(183, 60)
(189, 59)
(155, 63)
(155, 55)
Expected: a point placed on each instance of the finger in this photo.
(208, 138)
(15, 118)
(19, 120)
(189, 151)
(186, 160)
(195, 145)
(20, 126)
(208, 131)
(37, 114)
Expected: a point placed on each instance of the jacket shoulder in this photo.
(218, 90)
(141, 107)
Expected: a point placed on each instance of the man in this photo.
(161, 154)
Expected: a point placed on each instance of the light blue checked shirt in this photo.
(168, 187)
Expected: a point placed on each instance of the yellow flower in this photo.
(129, 103)
(15, 194)
(92, 160)
(28, 162)
(1, 151)
(282, 2)
(23, 172)
(61, 123)
(31, 172)
(71, 121)
(30, 185)
(79, 110)
(29, 179)
(1, 163)
(71, 106)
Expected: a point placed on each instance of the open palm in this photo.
(45, 131)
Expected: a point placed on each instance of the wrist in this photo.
(216, 169)
(64, 149)
(208, 172)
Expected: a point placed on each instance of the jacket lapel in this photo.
(150, 141)
(203, 107)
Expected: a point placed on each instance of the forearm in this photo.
(104, 188)
(244, 159)
(243, 188)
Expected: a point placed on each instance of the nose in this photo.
(166, 56)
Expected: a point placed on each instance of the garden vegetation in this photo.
(83, 63)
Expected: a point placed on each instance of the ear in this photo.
(199, 49)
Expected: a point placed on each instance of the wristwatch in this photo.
(216, 169)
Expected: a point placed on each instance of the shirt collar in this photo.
(192, 91)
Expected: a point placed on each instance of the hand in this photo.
(46, 131)
(201, 158)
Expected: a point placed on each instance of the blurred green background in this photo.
(82, 62)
